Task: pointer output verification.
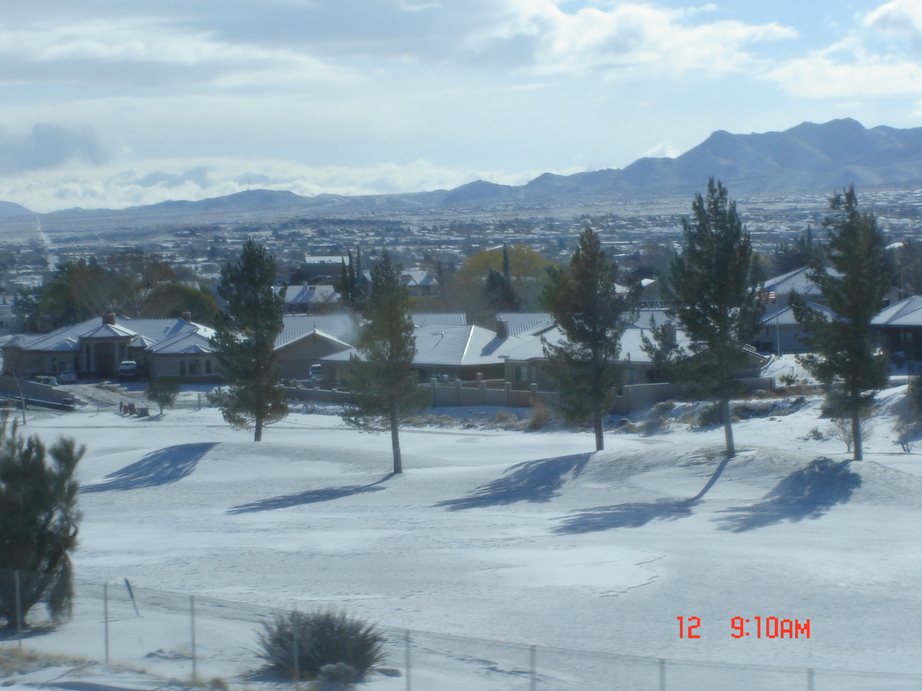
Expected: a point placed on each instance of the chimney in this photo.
(502, 330)
(187, 315)
(109, 319)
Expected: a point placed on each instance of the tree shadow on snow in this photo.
(806, 493)
(311, 496)
(161, 467)
(632, 515)
(534, 481)
(636, 514)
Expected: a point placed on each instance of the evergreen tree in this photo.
(803, 251)
(383, 383)
(712, 289)
(163, 392)
(244, 342)
(38, 523)
(499, 294)
(844, 355)
(593, 315)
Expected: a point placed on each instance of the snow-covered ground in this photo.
(526, 537)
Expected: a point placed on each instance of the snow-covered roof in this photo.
(451, 345)
(190, 342)
(142, 332)
(533, 348)
(785, 316)
(798, 281)
(430, 318)
(906, 312)
(317, 333)
(417, 277)
(525, 323)
(109, 331)
(309, 294)
(341, 326)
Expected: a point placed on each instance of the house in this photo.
(782, 333)
(900, 328)
(95, 348)
(310, 298)
(419, 282)
(526, 361)
(306, 339)
(323, 269)
(447, 352)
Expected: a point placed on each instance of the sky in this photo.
(108, 104)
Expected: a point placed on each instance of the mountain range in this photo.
(812, 158)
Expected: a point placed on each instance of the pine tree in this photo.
(244, 342)
(383, 383)
(38, 524)
(593, 315)
(712, 289)
(844, 354)
(163, 391)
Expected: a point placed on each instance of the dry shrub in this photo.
(539, 416)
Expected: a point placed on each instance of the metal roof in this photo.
(785, 315)
(342, 326)
(143, 332)
(906, 312)
(431, 318)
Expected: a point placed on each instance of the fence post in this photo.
(407, 658)
(192, 622)
(662, 674)
(18, 608)
(533, 667)
(809, 679)
(105, 618)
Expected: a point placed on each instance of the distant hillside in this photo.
(807, 158)
(10, 210)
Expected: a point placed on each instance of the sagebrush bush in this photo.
(323, 638)
(539, 416)
(710, 415)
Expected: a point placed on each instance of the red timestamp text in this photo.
(752, 627)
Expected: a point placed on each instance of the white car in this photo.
(67, 376)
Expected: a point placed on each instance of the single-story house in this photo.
(94, 348)
(525, 362)
(306, 339)
(310, 298)
(445, 352)
(780, 331)
(419, 282)
(900, 327)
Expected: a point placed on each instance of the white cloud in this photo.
(662, 150)
(144, 52)
(632, 39)
(876, 58)
(864, 75)
(902, 18)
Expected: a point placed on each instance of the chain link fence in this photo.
(200, 639)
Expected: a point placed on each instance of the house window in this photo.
(193, 368)
(182, 368)
(207, 366)
(54, 365)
